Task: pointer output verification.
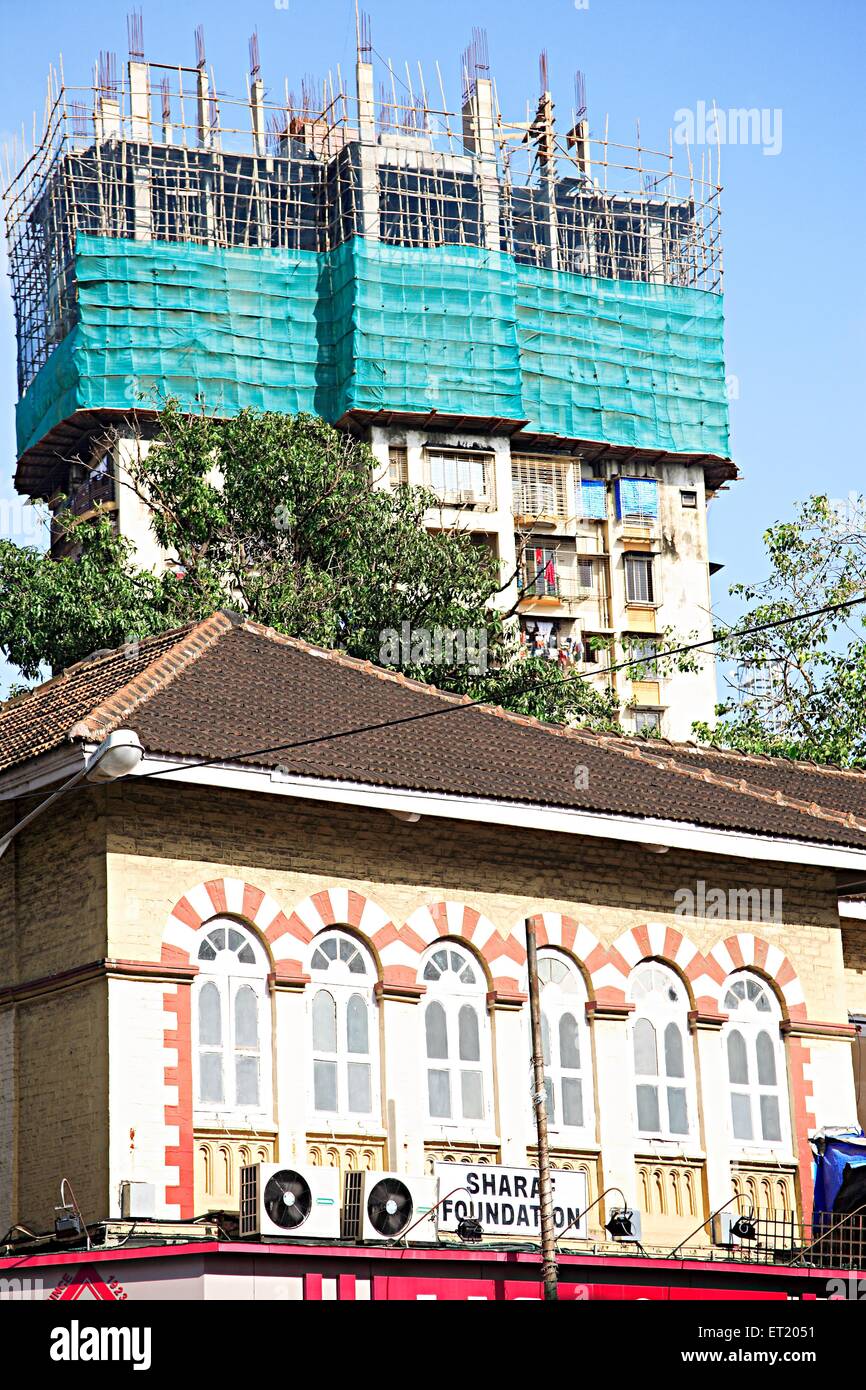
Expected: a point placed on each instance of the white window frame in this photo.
(466, 476)
(555, 1004)
(747, 1020)
(453, 995)
(342, 984)
(649, 557)
(660, 1011)
(229, 975)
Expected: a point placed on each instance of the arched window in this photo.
(343, 1028)
(457, 1041)
(663, 1086)
(756, 1062)
(565, 1045)
(232, 1023)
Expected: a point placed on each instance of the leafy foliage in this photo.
(275, 516)
(815, 706)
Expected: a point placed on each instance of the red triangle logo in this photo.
(87, 1283)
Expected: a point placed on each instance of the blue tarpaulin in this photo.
(840, 1173)
(637, 497)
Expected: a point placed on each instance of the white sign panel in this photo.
(505, 1200)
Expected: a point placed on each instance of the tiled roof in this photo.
(222, 689)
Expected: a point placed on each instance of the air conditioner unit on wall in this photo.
(278, 1200)
(384, 1206)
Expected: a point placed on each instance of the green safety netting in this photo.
(461, 330)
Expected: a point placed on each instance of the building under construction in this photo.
(521, 314)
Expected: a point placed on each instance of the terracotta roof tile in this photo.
(221, 689)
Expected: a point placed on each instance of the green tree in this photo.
(814, 701)
(275, 516)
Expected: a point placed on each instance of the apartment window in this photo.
(455, 1034)
(637, 501)
(461, 479)
(756, 1062)
(688, 498)
(343, 1027)
(639, 578)
(565, 1044)
(398, 467)
(659, 1050)
(644, 652)
(595, 649)
(539, 487)
(585, 574)
(232, 1025)
(647, 721)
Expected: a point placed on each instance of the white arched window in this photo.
(456, 1037)
(232, 1023)
(344, 1028)
(662, 1074)
(565, 1045)
(756, 1062)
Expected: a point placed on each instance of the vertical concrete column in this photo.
(479, 141)
(614, 1106)
(504, 519)
(257, 115)
(139, 110)
(369, 175)
(713, 1106)
(291, 1051)
(511, 1077)
(403, 1075)
(8, 1119)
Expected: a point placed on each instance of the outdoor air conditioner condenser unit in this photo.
(385, 1206)
(279, 1200)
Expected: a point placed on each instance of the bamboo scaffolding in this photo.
(637, 217)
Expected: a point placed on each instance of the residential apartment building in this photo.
(523, 318)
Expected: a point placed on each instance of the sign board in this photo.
(505, 1200)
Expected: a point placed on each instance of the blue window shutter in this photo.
(592, 496)
(637, 498)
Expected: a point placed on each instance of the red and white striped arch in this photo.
(399, 950)
(747, 951)
(504, 956)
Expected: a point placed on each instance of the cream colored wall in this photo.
(164, 842)
(8, 1119)
(291, 849)
(63, 1116)
(53, 1105)
(138, 1094)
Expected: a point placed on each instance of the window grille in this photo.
(539, 488)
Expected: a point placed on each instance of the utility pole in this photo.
(539, 1100)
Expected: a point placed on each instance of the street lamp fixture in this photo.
(117, 756)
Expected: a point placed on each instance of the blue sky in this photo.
(793, 220)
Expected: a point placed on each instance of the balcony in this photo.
(96, 491)
(565, 588)
(96, 494)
